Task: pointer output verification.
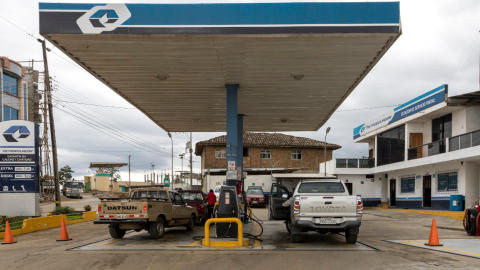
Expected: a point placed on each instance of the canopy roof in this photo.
(172, 61)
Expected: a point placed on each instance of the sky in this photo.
(440, 44)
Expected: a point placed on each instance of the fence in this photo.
(355, 162)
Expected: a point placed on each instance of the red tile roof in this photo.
(274, 140)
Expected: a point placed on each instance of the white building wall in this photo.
(459, 121)
(473, 118)
(424, 170)
(264, 181)
(370, 191)
(472, 179)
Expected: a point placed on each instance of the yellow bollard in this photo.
(223, 220)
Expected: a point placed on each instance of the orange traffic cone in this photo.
(63, 232)
(433, 240)
(8, 235)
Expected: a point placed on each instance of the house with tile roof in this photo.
(263, 155)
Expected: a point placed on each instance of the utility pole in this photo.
(325, 151)
(191, 167)
(52, 125)
(129, 182)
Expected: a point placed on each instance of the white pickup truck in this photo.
(317, 205)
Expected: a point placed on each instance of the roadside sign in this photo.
(19, 168)
(166, 182)
(231, 165)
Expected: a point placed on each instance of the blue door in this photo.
(123, 188)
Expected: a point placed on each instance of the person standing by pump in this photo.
(211, 199)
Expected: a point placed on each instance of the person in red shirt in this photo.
(211, 199)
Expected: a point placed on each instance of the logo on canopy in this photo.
(103, 18)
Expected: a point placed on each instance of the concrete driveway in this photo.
(39, 250)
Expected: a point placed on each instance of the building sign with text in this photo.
(19, 168)
(411, 107)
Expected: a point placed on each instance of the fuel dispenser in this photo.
(228, 207)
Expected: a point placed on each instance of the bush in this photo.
(87, 208)
(63, 211)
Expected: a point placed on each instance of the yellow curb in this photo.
(43, 223)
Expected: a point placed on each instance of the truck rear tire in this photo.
(157, 228)
(295, 237)
(350, 237)
(191, 223)
(116, 232)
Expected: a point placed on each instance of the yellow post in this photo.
(223, 220)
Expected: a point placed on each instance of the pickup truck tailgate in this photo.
(315, 205)
(121, 207)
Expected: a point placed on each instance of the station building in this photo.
(264, 154)
(420, 154)
(14, 100)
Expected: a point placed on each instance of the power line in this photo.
(369, 108)
(105, 106)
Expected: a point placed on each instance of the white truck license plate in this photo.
(121, 216)
(326, 221)
(254, 202)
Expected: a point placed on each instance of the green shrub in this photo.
(63, 211)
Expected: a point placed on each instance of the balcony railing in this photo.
(427, 150)
(464, 141)
(355, 162)
(458, 142)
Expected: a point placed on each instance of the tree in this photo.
(65, 174)
(114, 175)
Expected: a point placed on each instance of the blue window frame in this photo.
(9, 113)
(447, 182)
(10, 84)
(408, 185)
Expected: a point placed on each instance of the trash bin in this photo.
(456, 202)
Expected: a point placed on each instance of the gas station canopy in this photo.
(295, 63)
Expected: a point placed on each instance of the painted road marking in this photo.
(444, 248)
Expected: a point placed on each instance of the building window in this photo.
(441, 129)
(296, 155)
(265, 154)
(407, 184)
(9, 113)
(245, 152)
(221, 154)
(10, 84)
(447, 182)
(391, 146)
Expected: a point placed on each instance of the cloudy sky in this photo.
(440, 44)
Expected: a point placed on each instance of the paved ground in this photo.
(77, 204)
(39, 250)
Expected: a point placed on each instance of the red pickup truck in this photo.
(194, 198)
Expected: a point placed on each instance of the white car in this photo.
(216, 191)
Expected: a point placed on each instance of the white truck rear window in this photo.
(321, 187)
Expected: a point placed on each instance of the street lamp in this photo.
(171, 180)
(182, 155)
(325, 151)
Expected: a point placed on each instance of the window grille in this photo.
(265, 154)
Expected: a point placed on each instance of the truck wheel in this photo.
(350, 237)
(116, 232)
(191, 223)
(288, 224)
(157, 228)
(295, 237)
